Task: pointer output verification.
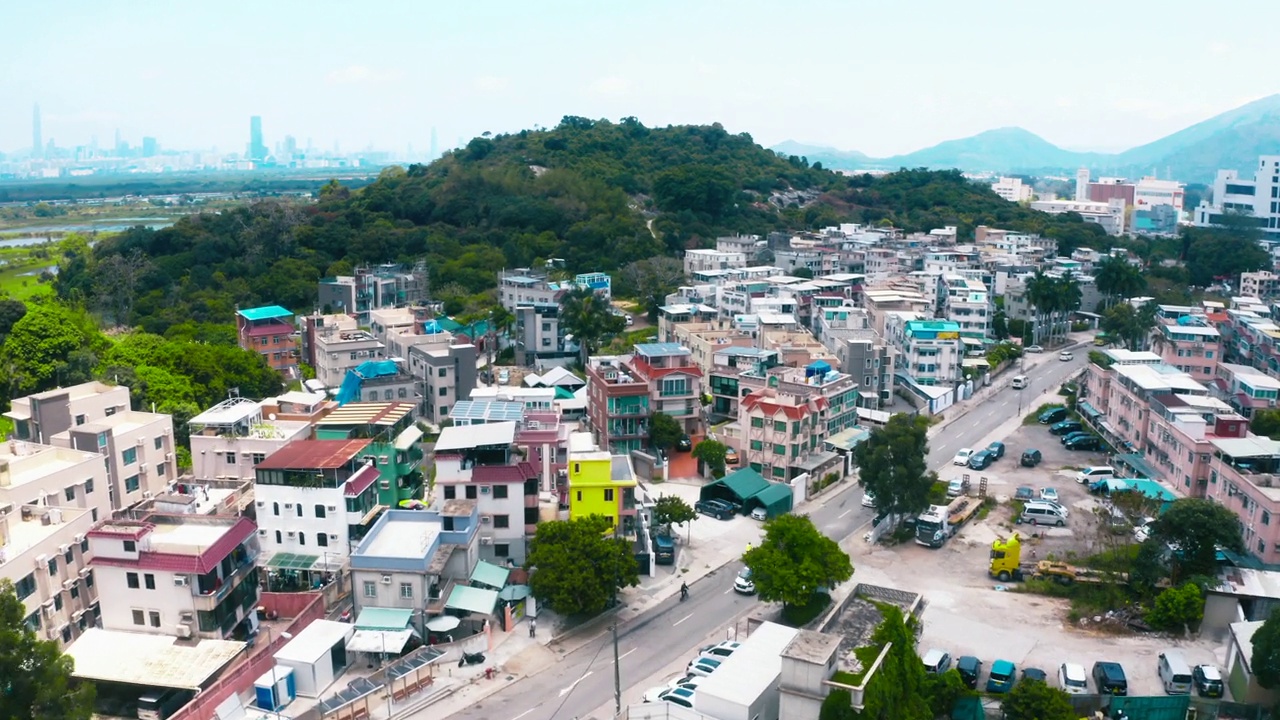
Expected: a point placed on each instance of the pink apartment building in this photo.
(1243, 477)
(1180, 438)
(1244, 388)
(1195, 349)
(1116, 399)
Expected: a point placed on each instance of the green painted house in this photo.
(393, 443)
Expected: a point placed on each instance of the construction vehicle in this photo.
(940, 522)
(1006, 565)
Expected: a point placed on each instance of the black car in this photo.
(970, 668)
(1068, 437)
(1053, 415)
(718, 509)
(1109, 678)
(1208, 681)
(1035, 674)
(684, 444)
(1088, 442)
(1065, 427)
(996, 449)
(1030, 458)
(980, 460)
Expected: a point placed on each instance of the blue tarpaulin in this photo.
(350, 390)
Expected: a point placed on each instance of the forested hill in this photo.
(595, 193)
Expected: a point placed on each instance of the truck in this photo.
(1006, 565)
(939, 522)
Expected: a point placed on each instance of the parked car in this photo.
(1208, 681)
(1052, 415)
(1142, 530)
(1072, 680)
(957, 487)
(1065, 427)
(1024, 493)
(1094, 472)
(1050, 494)
(1035, 674)
(759, 513)
(970, 669)
(996, 449)
(718, 509)
(1002, 676)
(685, 444)
(504, 377)
(980, 460)
(936, 661)
(1034, 349)
(1066, 356)
(743, 584)
(719, 651)
(731, 458)
(868, 500)
(1068, 437)
(1090, 442)
(681, 696)
(1109, 678)
(1030, 458)
(962, 457)
(702, 666)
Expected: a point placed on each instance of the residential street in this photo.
(583, 680)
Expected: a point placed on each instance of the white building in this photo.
(1258, 196)
(968, 304)
(1012, 189)
(40, 416)
(1263, 284)
(186, 576)
(338, 350)
(700, 260)
(1150, 192)
(745, 686)
(138, 449)
(1110, 215)
(229, 439)
(42, 552)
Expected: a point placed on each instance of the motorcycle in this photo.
(470, 659)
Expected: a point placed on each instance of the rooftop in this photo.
(401, 533)
(26, 462)
(26, 529)
(229, 412)
(149, 660)
(811, 647)
(266, 312)
(1159, 377)
(486, 411)
(1250, 583)
(314, 455)
(473, 436)
(662, 349)
(754, 666)
(1247, 447)
(368, 413)
(178, 543)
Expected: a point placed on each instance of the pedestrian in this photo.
(533, 627)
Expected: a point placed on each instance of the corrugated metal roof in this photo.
(368, 413)
(313, 455)
(149, 660)
(266, 312)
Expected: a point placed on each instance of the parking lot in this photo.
(970, 614)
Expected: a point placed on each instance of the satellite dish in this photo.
(271, 416)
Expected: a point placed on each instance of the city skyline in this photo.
(894, 79)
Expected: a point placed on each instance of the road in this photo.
(584, 679)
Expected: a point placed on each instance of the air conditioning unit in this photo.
(187, 616)
(333, 536)
(168, 457)
(484, 490)
(78, 539)
(293, 533)
(386, 579)
(42, 561)
(75, 616)
(70, 583)
(62, 549)
(486, 519)
(262, 533)
(183, 631)
(288, 506)
(332, 508)
(262, 503)
(167, 432)
(180, 581)
(486, 540)
(47, 607)
(142, 442)
(146, 495)
(142, 468)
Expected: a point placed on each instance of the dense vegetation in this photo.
(596, 194)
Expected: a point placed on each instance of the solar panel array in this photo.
(486, 411)
(409, 664)
(356, 689)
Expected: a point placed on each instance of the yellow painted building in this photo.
(602, 484)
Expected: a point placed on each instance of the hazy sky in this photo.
(878, 76)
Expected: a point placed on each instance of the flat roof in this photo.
(266, 312)
(315, 641)
(811, 647)
(667, 349)
(1255, 446)
(471, 436)
(297, 397)
(1159, 377)
(228, 412)
(400, 537)
(152, 660)
(752, 667)
(313, 455)
(487, 411)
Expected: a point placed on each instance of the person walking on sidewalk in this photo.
(533, 627)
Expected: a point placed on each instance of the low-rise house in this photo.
(605, 485)
(229, 439)
(623, 391)
(138, 451)
(392, 445)
(270, 332)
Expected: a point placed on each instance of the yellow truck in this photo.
(1006, 565)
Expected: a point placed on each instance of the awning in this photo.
(411, 435)
(376, 618)
(1106, 428)
(476, 600)
(1089, 411)
(292, 561)
(486, 573)
(379, 641)
(1138, 464)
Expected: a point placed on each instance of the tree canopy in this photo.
(795, 561)
(892, 465)
(1265, 662)
(1036, 700)
(1193, 529)
(590, 319)
(899, 689)
(712, 452)
(664, 431)
(35, 677)
(672, 510)
(577, 567)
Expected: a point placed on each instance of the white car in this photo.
(962, 457)
(1071, 679)
(1034, 349)
(681, 696)
(1050, 494)
(1142, 530)
(744, 584)
(504, 377)
(702, 666)
(1066, 356)
(868, 500)
(759, 513)
(720, 651)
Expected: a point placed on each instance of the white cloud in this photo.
(612, 86)
(360, 75)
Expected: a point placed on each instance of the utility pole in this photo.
(617, 674)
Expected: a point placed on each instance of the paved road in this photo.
(584, 679)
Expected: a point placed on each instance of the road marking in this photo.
(526, 712)
(686, 617)
(623, 655)
(726, 592)
(846, 512)
(569, 689)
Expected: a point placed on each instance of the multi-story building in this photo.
(336, 350)
(411, 559)
(784, 424)
(269, 331)
(480, 462)
(605, 485)
(229, 439)
(315, 325)
(1263, 284)
(534, 301)
(623, 391)
(1121, 393)
(968, 304)
(1013, 190)
(181, 575)
(40, 416)
(316, 499)
(1244, 388)
(1110, 215)
(722, 379)
(929, 351)
(540, 434)
(372, 288)
(138, 453)
(393, 444)
(1257, 197)
(702, 260)
(1244, 477)
(1179, 440)
(1189, 344)
(445, 373)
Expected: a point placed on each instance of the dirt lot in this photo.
(968, 614)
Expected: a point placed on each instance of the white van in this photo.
(1093, 473)
(1043, 514)
(1019, 382)
(1175, 674)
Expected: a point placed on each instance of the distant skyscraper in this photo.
(37, 140)
(290, 145)
(435, 145)
(149, 147)
(257, 149)
(119, 144)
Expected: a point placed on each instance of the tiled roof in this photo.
(195, 564)
(313, 455)
(360, 481)
(771, 408)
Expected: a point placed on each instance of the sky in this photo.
(879, 77)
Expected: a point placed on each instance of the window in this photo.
(402, 393)
(275, 508)
(579, 496)
(298, 508)
(68, 557)
(442, 372)
(88, 580)
(70, 493)
(757, 445)
(1266, 518)
(279, 537)
(302, 538)
(471, 492)
(370, 589)
(322, 540)
(499, 492)
(155, 618)
(130, 546)
(25, 587)
(131, 579)
(158, 443)
(138, 617)
(75, 592)
(779, 426)
(88, 486)
(502, 550)
(502, 521)
(53, 566)
(130, 456)
(80, 419)
(66, 634)
(131, 484)
(319, 510)
(779, 449)
(102, 440)
(388, 394)
(231, 458)
(57, 601)
(150, 581)
(259, 457)
(608, 495)
(160, 468)
(757, 422)
(406, 591)
(450, 492)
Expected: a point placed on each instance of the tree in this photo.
(577, 567)
(1178, 608)
(35, 677)
(590, 318)
(1035, 700)
(1195, 528)
(1119, 279)
(1129, 325)
(664, 431)
(893, 466)
(11, 311)
(649, 281)
(1215, 253)
(39, 350)
(1265, 662)
(711, 452)
(672, 510)
(944, 691)
(898, 689)
(1266, 422)
(838, 705)
(795, 561)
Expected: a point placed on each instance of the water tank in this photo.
(819, 368)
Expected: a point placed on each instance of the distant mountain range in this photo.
(1232, 140)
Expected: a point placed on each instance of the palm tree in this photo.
(1118, 279)
(1066, 294)
(1041, 295)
